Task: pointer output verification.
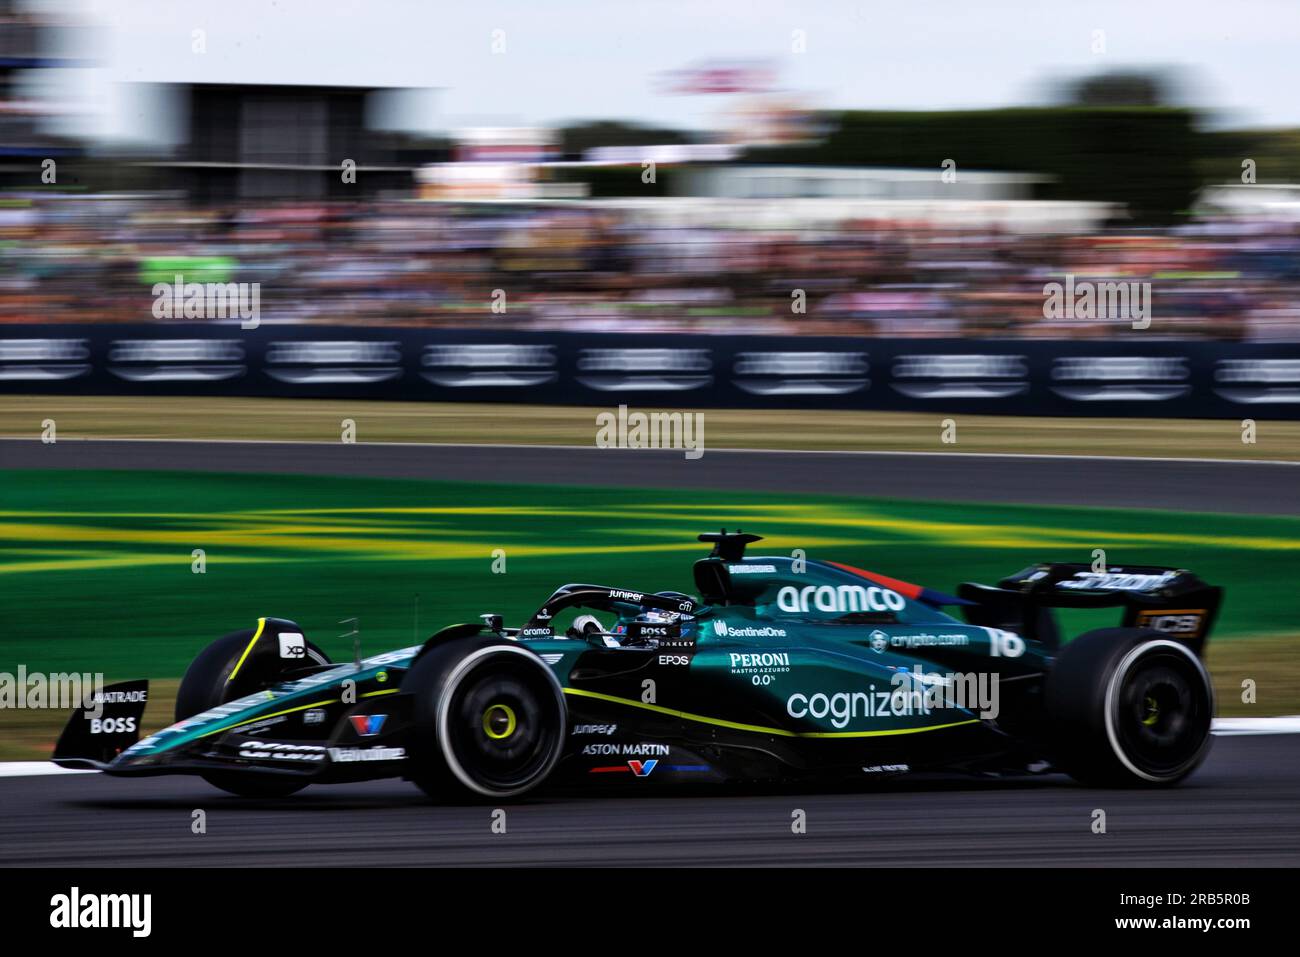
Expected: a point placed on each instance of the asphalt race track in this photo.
(1267, 488)
(1242, 808)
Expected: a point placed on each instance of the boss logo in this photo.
(111, 725)
(653, 631)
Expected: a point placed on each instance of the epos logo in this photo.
(846, 598)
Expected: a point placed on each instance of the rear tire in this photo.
(1129, 707)
(489, 720)
(205, 686)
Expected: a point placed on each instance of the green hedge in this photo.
(1144, 157)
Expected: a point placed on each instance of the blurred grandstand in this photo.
(610, 266)
(849, 215)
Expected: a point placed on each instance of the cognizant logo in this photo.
(842, 707)
(838, 598)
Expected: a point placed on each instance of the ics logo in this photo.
(368, 725)
(1173, 621)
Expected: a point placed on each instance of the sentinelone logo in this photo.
(725, 630)
(651, 430)
(75, 910)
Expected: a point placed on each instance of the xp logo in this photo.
(879, 641)
(642, 769)
(292, 645)
(368, 725)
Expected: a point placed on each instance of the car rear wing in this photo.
(1172, 600)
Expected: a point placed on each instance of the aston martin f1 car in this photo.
(781, 668)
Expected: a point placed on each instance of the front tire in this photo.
(489, 720)
(207, 684)
(1129, 707)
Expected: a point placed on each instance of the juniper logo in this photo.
(209, 300)
(651, 430)
(76, 910)
(1129, 301)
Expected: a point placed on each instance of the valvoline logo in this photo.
(368, 725)
(642, 769)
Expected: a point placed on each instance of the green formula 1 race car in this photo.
(781, 668)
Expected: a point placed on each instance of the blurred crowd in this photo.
(589, 267)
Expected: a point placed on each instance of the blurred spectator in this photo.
(605, 268)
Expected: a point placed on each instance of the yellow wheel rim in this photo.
(491, 721)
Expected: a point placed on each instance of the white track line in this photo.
(1229, 727)
(29, 769)
(1235, 726)
(593, 448)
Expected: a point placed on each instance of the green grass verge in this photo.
(96, 567)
